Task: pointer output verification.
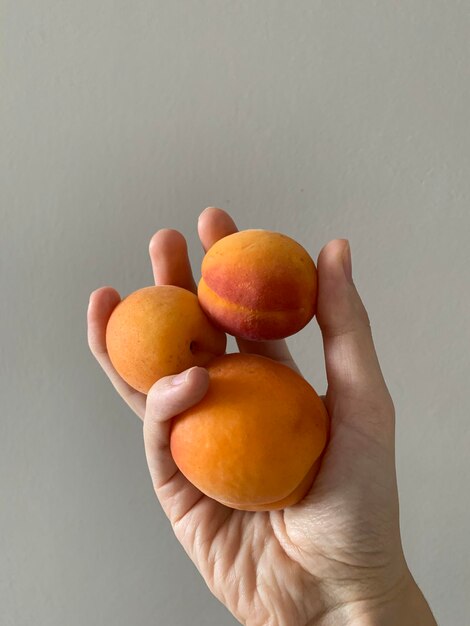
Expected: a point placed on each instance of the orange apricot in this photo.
(254, 441)
(158, 331)
(258, 285)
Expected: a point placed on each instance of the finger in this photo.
(170, 262)
(214, 224)
(102, 303)
(352, 367)
(168, 397)
(275, 349)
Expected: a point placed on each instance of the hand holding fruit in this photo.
(287, 566)
(254, 442)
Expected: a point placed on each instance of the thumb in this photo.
(353, 371)
(168, 397)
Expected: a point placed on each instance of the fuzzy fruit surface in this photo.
(254, 441)
(159, 331)
(258, 285)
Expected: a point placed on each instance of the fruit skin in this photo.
(258, 285)
(158, 331)
(254, 441)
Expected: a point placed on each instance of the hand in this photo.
(334, 558)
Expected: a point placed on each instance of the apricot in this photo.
(158, 331)
(258, 284)
(254, 441)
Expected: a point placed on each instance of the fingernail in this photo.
(181, 378)
(347, 264)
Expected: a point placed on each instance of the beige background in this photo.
(318, 119)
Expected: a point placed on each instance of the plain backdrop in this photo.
(318, 119)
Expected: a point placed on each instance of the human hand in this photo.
(335, 557)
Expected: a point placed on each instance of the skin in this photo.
(334, 558)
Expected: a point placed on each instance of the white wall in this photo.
(317, 119)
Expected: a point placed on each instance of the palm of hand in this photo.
(281, 567)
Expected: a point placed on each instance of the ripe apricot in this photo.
(254, 441)
(258, 285)
(158, 331)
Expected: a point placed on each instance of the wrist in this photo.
(403, 604)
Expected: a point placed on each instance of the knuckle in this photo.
(156, 392)
(343, 330)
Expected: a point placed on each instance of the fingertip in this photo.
(168, 251)
(164, 239)
(198, 373)
(102, 299)
(208, 210)
(173, 394)
(189, 375)
(154, 240)
(334, 274)
(214, 224)
(197, 381)
(330, 257)
(105, 289)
